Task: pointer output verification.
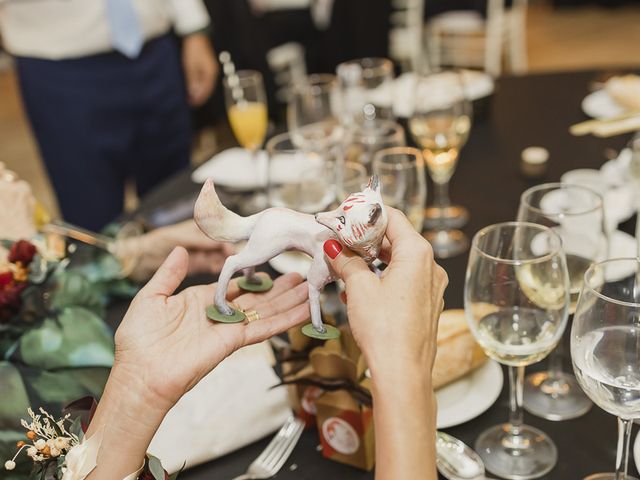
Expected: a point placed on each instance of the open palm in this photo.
(166, 341)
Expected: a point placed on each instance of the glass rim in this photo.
(536, 226)
(380, 127)
(279, 138)
(244, 77)
(416, 153)
(591, 271)
(325, 82)
(371, 64)
(524, 198)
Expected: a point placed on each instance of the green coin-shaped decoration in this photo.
(264, 284)
(217, 316)
(331, 332)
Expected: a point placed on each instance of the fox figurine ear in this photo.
(374, 184)
(376, 211)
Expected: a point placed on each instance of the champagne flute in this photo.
(605, 348)
(516, 303)
(246, 103)
(440, 125)
(402, 179)
(366, 87)
(576, 214)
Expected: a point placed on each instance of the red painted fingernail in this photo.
(332, 248)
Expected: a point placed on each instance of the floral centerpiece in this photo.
(54, 344)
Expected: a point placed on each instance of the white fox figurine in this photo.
(359, 223)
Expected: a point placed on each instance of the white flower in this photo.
(40, 444)
(54, 452)
(9, 465)
(32, 452)
(61, 443)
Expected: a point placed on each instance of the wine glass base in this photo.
(531, 454)
(555, 398)
(447, 243)
(453, 216)
(607, 476)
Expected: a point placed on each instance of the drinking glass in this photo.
(362, 141)
(366, 87)
(516, 300)
(246, 103)
(605, 347)
(440, 125)
(353, 178)
(576, 214)
(312, 114)
(403, 182)
(297, 179)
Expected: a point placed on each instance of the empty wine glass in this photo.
(297, 179)
(402, 180)
(366, 87)
(576, 214)
(516, 298)
(605, 347)
(363, 140)
(312, 113)
(440, 124)
(353, 178)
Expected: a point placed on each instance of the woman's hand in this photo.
(200, 68)
(205, 255)
(167, 344)
(394, 317)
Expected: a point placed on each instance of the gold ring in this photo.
(252, 315)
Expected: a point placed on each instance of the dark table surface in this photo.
(524, 111)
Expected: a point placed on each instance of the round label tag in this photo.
(309, 398)
(340, 436)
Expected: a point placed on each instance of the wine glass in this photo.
(312, 114)
(605, 347)
(353, 178)
(297, 179)
(440, 125)
(516, 302)
(576, 214)
(246, 103)
(402, 180)
(366, 87)
(363, 140)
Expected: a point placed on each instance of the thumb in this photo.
(345, 263)
(169, 275)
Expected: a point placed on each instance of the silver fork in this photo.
(271, 460)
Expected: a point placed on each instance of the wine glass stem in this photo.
(516, 388)
(555, 360)
(441, 194)
(622, 456)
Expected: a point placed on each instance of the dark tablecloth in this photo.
(525, 111)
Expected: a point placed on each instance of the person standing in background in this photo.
(107, 92)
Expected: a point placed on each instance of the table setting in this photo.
(543, 274)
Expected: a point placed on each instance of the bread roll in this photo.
(458, 353)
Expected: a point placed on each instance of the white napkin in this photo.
(231, 407)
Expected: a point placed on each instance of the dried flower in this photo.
(5, 279)
(20, 444)
(40, 444)
(9, 465)
(31, 435)
(22, 251)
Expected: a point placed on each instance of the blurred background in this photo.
(282, 38)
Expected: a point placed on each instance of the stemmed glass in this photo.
(605, 347)
(440, 124)
(402, 180)
(366, 87)
(516, 298)
(362, 141)
(246, 103)
(576, 214)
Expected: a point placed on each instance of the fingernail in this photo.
(332, 248)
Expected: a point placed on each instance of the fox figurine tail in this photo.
(218, 222)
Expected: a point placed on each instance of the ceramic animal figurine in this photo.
(359, 223)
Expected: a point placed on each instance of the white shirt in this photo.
(57, 29)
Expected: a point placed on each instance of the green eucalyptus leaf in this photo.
(78, 339)
(73, 289)
(76, 427)
(155, 467)
(14, 399)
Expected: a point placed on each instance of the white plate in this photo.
(469, 397)
(233, 168)
(599, 104)
(288, 262)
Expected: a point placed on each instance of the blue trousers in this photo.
(103, 119)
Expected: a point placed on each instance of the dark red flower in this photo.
(5, 279)
(11, 300)
(22, 251)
